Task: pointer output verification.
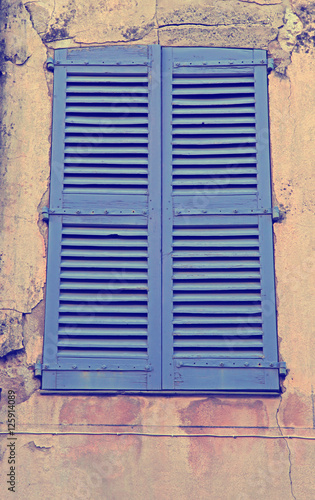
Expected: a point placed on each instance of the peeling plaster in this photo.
(36, 447)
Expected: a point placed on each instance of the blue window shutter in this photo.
(219, 315)
(103, 309)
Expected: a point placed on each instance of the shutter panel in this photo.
(219, 318)
(103, 309)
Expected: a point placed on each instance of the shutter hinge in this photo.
(271, 64)
(38, 368)
(45, 214)
(50, 64)
(275, 214)
(283, 369)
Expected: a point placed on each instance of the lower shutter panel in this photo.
(219, 325)
(103, 303)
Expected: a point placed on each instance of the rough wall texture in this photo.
(57, 458)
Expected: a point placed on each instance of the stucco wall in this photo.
(69, 447)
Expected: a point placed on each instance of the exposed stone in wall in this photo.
(24, 170)
(11, 332)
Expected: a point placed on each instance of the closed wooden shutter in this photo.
(219, 316)
(103, 312)
(160, 259)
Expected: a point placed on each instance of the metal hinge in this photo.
(283, 369)
(270, 65)
(275, 214)
(45, 214)
(50, 64)
(38, 368)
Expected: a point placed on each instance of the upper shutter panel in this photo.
(219, 330)
(103, 303)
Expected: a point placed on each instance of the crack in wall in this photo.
(183, 25)
(288, 448)
(261, 4)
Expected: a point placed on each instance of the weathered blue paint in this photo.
(201, 224)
